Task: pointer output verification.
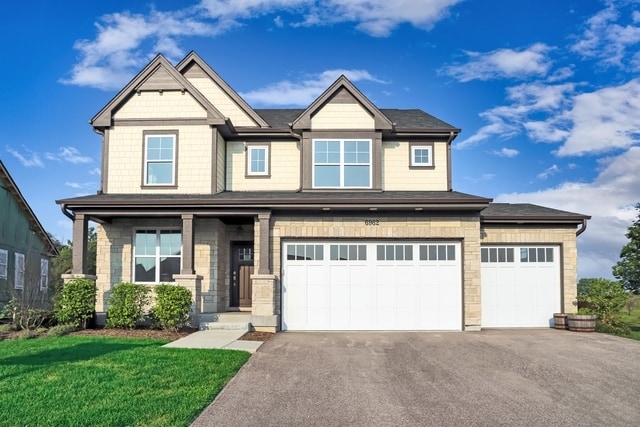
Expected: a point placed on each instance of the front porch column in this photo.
(264, 256)
(187, 244)
(80, 236)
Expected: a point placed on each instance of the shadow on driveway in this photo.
(533, 377)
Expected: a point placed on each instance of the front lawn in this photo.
(91, 381)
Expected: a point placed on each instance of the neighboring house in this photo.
(340, 216)
(25, 248)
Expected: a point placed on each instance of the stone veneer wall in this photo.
(463, 228)
(563, 236)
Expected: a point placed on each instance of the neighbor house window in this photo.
(160, 159)
(342, 163)
(4, 261)
(257, 160)
(421, 155)
(157, 255)
(19, 272)
(44, 274)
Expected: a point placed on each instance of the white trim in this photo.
(429, 162)
(4, 263)
(251, 148)
(342, 163)
(147, 161)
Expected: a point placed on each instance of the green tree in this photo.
(627, 270)
(605, 298)
(64, 262)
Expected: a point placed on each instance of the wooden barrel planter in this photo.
(582, 322)
(560, 320)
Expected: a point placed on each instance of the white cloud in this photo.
(80, 185)
(506, 152)
(503, 63)
(28, 159)
(95, 171)
(305, 91)
(551, 170)
(126, 41)
(609, 199)
(69, 155)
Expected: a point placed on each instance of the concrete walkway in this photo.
(223, 338)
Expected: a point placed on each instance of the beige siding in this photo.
(396, 175)
(342, 116)
(563, 236)
(284, 168)
(126, 158)
(221, 168)
(466, 229)
(222, 101)
(157, 105)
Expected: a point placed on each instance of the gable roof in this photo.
(193, 58)
(13, 189)
(303, 121)
(159, 75)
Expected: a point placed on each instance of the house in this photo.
(25, 248)
(339, 216)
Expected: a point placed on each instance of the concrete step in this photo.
(235, 316)
(226, 326)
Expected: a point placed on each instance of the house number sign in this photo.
(372, 222)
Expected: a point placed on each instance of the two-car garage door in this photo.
(376, 285)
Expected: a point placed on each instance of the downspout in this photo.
(66, 213)
(102, 168)
(582, 229)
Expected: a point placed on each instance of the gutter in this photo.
(583, 227)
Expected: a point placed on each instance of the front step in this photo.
(225, 321)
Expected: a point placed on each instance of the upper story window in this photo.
(257, 160)
(157, 255)
(341, 163)
(160, 159)
(4, 261)
(421, 155)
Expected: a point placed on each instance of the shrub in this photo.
(60, 330)
(126, 305)
(76, 302)
(605, 298)
(171, 310)
(24, 316)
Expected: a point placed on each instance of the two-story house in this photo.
(25, 249)
(340, 216)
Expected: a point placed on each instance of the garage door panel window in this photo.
(498, 255)
(348, 252)
(305, 252)
(437, 252)
(394, 252)
(536, 255)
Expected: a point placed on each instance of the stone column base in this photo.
(193, 282)
(263, 303)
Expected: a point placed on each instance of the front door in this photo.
(241, 271)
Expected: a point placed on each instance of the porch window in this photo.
(158, 255)
(160, 159)
(4, 260)
(19, 272)
(44, 274)
(342, 163)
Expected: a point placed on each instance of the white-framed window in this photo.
(157, 255)
(342, 163)
(421, 155)
(258, 160)
(44, 274)
(160, 159)
(18, 278)
(4, 262)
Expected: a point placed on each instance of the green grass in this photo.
(94, 381)
(633, 321)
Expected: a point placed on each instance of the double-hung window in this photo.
(18, 277)
(342, 163)
(44, 274)
(257, 160)
(157, 255)
(421, 155)
(4, 261)
(160, 159)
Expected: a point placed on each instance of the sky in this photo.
(547, 93)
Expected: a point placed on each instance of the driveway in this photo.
(534, 377)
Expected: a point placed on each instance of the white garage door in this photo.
(371, 286)
(520, 286)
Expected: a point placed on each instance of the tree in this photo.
(627, 270)
(64, 262)
(605, 298)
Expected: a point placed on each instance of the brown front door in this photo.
(241, 270)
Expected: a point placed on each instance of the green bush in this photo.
(24, 316)
(126, 305)
(604, 298)
(171, 310)
(76, 302)
(60, 330)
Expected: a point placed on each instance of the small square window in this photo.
(258, 160)
(421, 155)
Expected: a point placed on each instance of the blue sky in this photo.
(547, 93)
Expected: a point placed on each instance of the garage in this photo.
(371, 285)
(520, 286)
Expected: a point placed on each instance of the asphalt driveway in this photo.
(535, 377)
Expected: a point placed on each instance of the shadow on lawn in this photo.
(67, 354)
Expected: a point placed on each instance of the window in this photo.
(342, 163)
(44, 274)
(536, 254)
(159, 162)
(394, 252)
(500, 255)
(437, 253)
(421, 155)
(4, 261)
(157, 255)
(305, 252)
(348, 252)
(257, 160)
(19, 273)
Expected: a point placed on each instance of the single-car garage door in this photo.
(378, 285)
(520, 285)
